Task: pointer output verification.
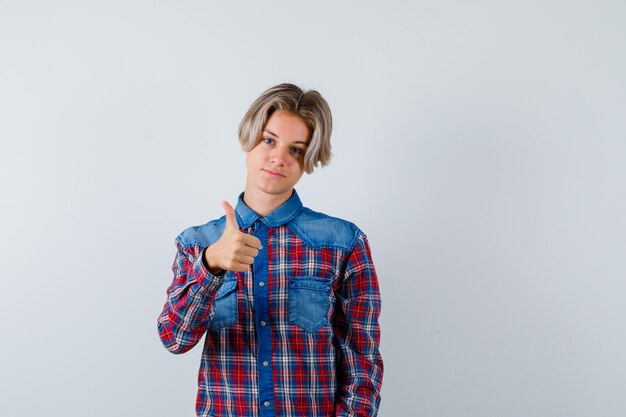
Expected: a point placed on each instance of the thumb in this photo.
(231, 220)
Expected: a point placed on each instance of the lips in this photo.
(273, 173)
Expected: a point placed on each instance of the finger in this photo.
(245, 259)
(248, 251)
(231, 220)
(252, 241)
(239, 267)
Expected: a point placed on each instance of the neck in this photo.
(264, 203)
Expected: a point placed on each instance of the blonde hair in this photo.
(309, 105)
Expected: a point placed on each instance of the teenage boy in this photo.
(288, 297)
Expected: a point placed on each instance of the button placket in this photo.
(261, 312)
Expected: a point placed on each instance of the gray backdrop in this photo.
(480, 145)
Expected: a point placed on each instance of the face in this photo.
(276, 163)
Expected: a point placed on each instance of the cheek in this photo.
(299, 165)
(300, 161)
(254, 156)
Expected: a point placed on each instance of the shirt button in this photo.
(265, 363)
(266, 403)
(261, 284)
(262, 323)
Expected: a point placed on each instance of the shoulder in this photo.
(202, 235)
(319, 230)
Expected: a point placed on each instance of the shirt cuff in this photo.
(207, 281)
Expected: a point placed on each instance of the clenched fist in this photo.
(235, 250)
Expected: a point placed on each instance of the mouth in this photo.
(273, 173)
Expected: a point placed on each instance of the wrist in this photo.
(209, 263)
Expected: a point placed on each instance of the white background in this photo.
(480, 145)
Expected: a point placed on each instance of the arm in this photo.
(189, 306)
(198, 274)
(360, 366)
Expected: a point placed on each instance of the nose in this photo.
(280, 155)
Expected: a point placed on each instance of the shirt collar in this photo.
(283, 214)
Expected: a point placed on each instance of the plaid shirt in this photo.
(296, 335)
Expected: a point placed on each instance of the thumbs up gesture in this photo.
(235, 250)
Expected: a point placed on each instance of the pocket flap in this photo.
(312, 283)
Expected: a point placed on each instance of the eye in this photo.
(269, 141)
(297, 150)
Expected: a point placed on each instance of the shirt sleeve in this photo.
(189, 306)
(360, 367)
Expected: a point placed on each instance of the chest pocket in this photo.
(225, 312)
(309, 302)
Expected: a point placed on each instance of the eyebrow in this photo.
(274, 134)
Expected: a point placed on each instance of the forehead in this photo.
(287, 126)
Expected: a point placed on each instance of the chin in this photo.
(276, 190)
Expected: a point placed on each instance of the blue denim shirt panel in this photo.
(316, 230)
(226, 311)
(203, 235)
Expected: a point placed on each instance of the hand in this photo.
(235, 250)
